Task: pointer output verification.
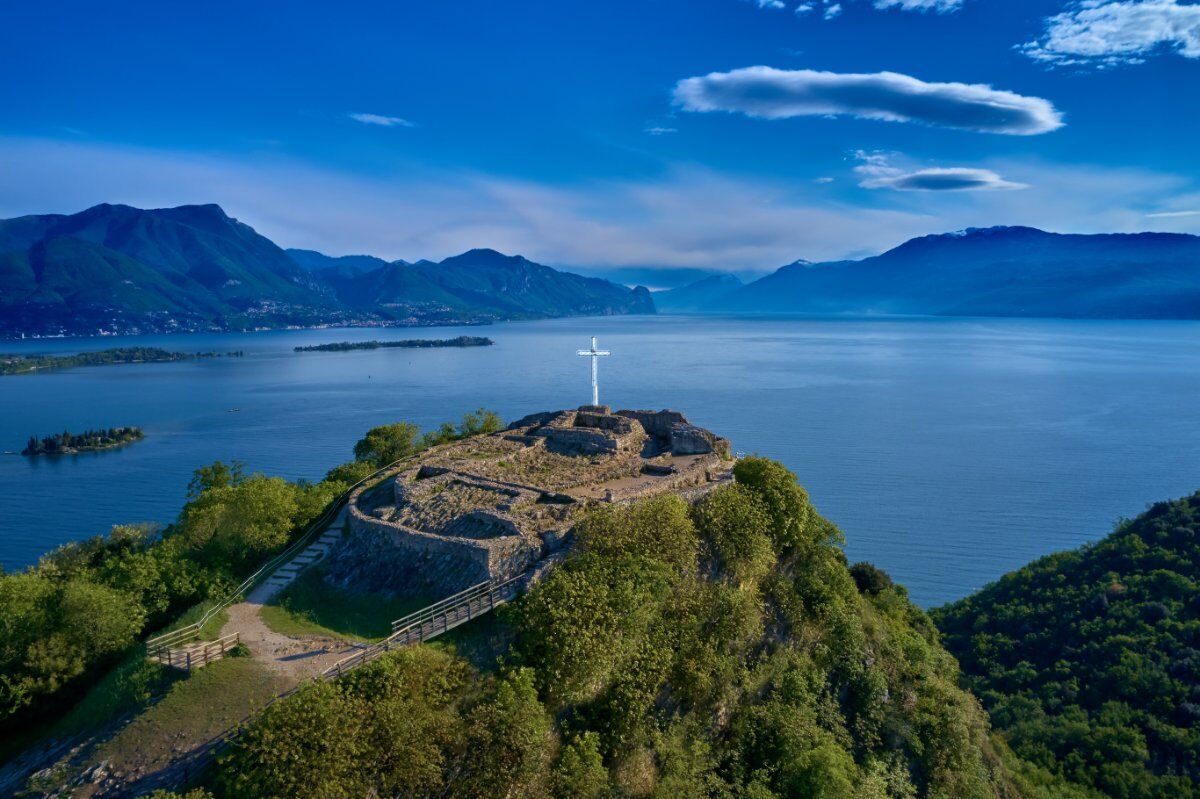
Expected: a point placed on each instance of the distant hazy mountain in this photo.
(315, 261)
(704, 293)
(479, 283)
(1000, 271)
(119, 269)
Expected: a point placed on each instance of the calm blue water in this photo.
(949, 451)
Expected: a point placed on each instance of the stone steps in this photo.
(311, 554)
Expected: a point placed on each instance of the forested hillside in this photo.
(724, 650)
(1089, 660)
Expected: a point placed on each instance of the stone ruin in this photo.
(497, 506)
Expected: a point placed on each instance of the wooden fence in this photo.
(197, 655)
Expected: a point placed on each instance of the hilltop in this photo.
(688, 626)
(114, 268)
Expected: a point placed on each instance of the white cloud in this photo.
(833, 11)
(379, 119)
(804, 8)
(660, 131)
(1124, 32)
(824, 180)
(938, 6)
(878, 172)
(1172, 214)
(769, 93)
(942, 179)
(772, 4)
(684, 216)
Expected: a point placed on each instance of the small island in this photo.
(413, 343)
(68, 443)
(23, 364)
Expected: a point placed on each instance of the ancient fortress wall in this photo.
(451, 528)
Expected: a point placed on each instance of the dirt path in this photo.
(295, 658)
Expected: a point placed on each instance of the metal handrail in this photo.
(158, 642)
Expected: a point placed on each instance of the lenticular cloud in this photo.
(769, 93)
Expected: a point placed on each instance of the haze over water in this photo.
(949, 451)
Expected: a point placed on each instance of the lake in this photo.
(949, 451)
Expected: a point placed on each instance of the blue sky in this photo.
(726, 134)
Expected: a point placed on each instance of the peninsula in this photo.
(68, 443)
(410, 343)
(24, 364)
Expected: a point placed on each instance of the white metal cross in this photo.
(594, 354)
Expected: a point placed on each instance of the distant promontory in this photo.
(411, 343)
(24, 364)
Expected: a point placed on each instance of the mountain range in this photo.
(113, 268)
(998, 271)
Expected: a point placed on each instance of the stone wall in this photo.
(377, 555)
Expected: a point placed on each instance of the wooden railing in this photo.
(191, 632)
(432, 621)
(193, 657)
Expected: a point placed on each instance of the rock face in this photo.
(502, 505)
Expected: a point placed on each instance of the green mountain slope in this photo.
(116, 268)
(724, 650)
(1089, 660)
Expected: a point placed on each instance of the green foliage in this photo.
(738, 524)
(509, 738)
(18, 364)
(1089, 660)
(271, 759)
(239, 522)
(479, 422)
(718, 651)
(387, 730)
(580, 773)
(68, 442)
(85, 604)
(217, 475)
(796, 527)
(411, 343)
(350, 473)
(388, 443)
(869, 578)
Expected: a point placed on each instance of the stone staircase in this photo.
(314, 552)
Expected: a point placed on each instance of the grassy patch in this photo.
(204, 704)
(310, 606)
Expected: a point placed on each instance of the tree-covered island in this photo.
(68, 443)
(411, 343)
(22, 364)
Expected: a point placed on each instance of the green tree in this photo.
(237, 523)
(580, 773)
(388, 443)
(738, 524)
(509, 741)
(309, 747)
(217, 475)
